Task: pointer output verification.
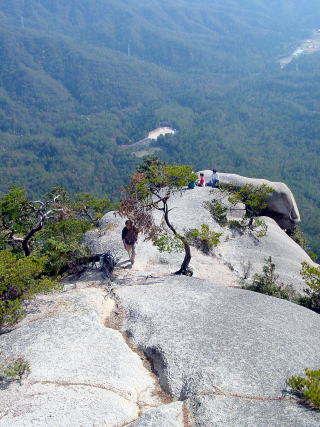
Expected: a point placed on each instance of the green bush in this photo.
(312, 255)
(168, 243)
(297, 235)
(259, 227)
(60, 242)
(266, 283)
(308, 387)
(14, 369)
(218, 211)
(20, 280)
(311, 275)
(40, 239)
(203, 239)
(254, 200)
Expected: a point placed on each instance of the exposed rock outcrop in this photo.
(82, 373)
(243, 411)
(234, 352)
(230, 341)
(281, 205)
(235, 250)
(170, 415)
(221, 355)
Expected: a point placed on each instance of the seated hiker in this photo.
(129, 238)
(191, 184)
(214, 179)
(201, 182)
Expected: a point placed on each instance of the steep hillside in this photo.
(79, 78)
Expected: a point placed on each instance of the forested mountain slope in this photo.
(79, 78)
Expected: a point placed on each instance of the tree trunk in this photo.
(26, 241)
(250, 224)
(184, 269)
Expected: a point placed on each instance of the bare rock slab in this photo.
(202, 338)
(65, 404)
(170, 415)
(216, 411)
(82, 373)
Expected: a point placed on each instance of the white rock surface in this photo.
(240, 411)
(170, 415)
(82, 373)
(227, 351)
(237, 340)
(45, 404)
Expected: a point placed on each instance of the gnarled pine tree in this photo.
(151, 189)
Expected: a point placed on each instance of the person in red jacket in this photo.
(201, 182)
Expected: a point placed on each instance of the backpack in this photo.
(130, 237)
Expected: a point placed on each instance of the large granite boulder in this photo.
(226, 352)
(281, 205)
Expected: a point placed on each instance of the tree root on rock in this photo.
(184, 272)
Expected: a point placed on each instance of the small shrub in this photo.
(203, 239)
(260, 227)
(297, 235)
(308, 387)
(14, 369)
(266, 283)
(218, 211)
(254, 199)
(313, 256)
(311, 275)
(61, 244)
(166, 242)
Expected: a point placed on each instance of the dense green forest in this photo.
(80, 78)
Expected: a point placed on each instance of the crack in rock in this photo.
(72, 384)
(116, 321)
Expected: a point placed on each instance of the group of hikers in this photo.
(130, 232)
(213, 181)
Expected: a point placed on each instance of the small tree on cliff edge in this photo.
(150, 189)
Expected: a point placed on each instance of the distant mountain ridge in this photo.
(184, 30)
(80, 78)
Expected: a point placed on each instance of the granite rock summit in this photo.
(150, 349)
